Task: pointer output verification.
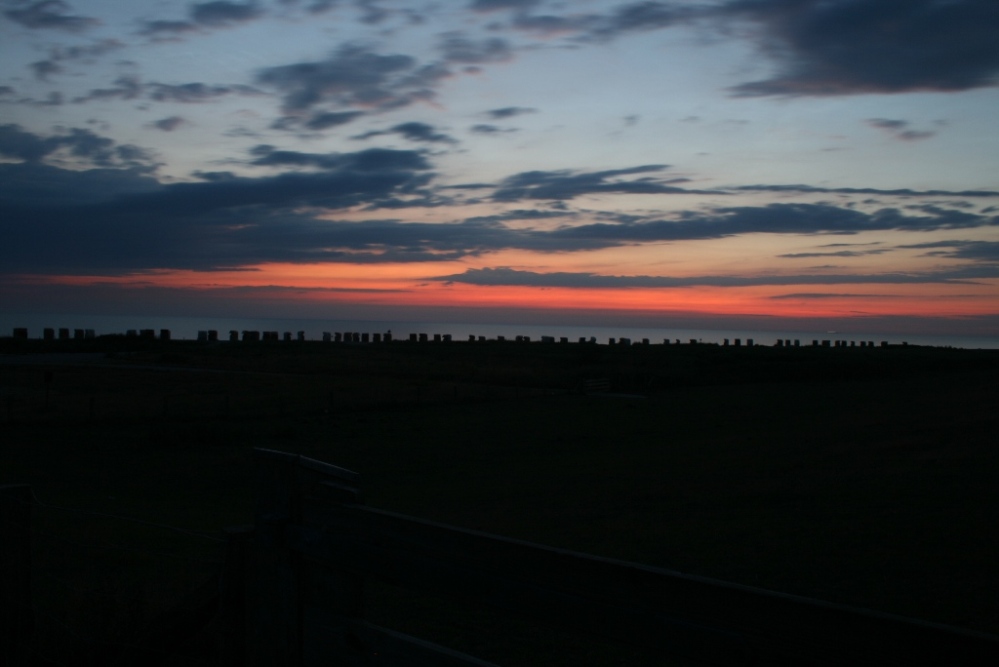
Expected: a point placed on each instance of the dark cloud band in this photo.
(507, 277)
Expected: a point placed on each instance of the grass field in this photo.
(866, 476)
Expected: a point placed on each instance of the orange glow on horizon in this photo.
(405, 285)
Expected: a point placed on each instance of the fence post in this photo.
(16, 621)
(233, 591)
(332, 597)
(286, 627)
(275, 628)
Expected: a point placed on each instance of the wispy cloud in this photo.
(508, 112)
(169, 124)
(568, 184)
(899, 129)
(206, 15)
(129, 87)
(353, 76)
(79, 145)
(896, 192)
(414, 131)
(50, 15)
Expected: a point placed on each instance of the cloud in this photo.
(496, 5)
(829, 295)
(213, 15)
(520, 215)
(487, 129)
(835, 253)
(640, 16)
(357, 77)
(508, 112)
(886, 124)
(50, 14)
(134, 224)
(129, 88)
(42, 69)
(169, 124)
(53, 99)
(195, 92)
(459, 49)
(370, 160)
(819, 47)
(372, 13)
(34, 186)
(157, 28)
(620, 21)
(567, 184)
(413, 131)
(125, 87)
(548, 25)
(112, 221)
(897, 129)
(900, 192)
(353, 76)
(321, 6)
(773, 219)
(327, 119)
(981, 251)
(872, 46)
(84, 51)
(221, 13)
(80, 146)
(508, 277)
(334, 188)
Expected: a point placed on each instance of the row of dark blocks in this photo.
(211, 336)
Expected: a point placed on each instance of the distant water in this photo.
(184, 328)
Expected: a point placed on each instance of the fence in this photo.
(292, 592)
(316, 545)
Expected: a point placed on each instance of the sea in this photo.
(188, 328)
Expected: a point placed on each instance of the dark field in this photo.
(866, 476)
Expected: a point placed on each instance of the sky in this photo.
(829, 163)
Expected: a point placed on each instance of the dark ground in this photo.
(866, 476)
